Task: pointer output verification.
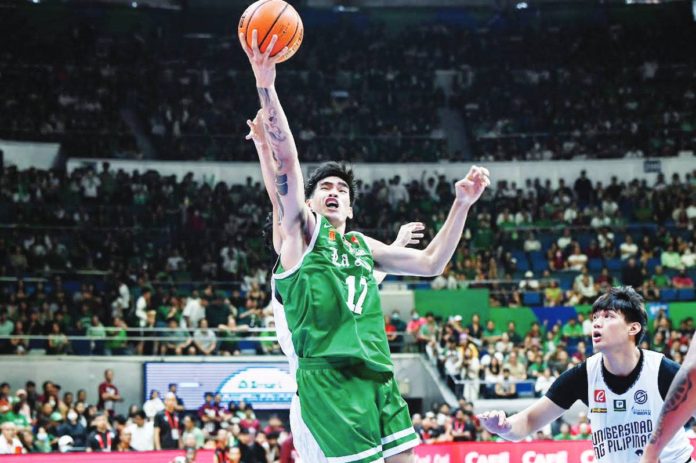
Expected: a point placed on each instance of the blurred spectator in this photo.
(167, 426)
(142, 432)
(108, 393)
(101, 439)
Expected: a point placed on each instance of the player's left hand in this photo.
(256, 131)
(470, 188)
(262, 64)
(409, 234)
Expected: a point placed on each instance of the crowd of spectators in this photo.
(557, 92)
(52, 420)
(595, 93)
(480, 360)
(116, 254)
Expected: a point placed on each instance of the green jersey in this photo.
(331, 300)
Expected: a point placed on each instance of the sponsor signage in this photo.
(575, 451)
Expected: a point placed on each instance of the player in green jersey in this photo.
(348, 395)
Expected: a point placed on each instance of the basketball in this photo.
(273, 17)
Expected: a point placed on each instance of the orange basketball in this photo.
(273, 17)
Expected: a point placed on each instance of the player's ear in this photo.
(308, 202)
(350, 212)
(634, 328)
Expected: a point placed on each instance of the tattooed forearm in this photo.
(279, 162)
(281, 182)
(676, 396)
(271, 122)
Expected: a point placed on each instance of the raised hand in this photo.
(470, 188)
(409, 234)
(257, 133)
(262, 64)
(494, 422)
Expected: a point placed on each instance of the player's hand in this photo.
(409, 234)
(470, 188)
(495, 422)
(256, 131)
(262, 64)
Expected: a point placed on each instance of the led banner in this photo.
(265, 385)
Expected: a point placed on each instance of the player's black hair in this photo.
(330, 169)
(626, 301)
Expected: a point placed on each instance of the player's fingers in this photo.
(485, 172)
(245, 45)
(501, 419)
(271, 45)
(279, 55)
(417, 235)
(255, 41)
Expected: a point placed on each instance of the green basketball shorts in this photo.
(355, 414)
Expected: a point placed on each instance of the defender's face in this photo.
(331, 198)
(610, 329)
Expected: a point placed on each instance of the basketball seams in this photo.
(248, 22)
(298, 23)
(273, 25)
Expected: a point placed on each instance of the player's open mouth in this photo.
(596, 336)
(331, 203)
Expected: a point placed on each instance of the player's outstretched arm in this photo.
(432, 260)
(410, 233)
(296, 221)
(257, 134)
(679, 406)
(522, 424)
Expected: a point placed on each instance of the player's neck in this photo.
(339, 226)
(623, 361)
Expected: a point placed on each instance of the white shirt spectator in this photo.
(194, 311)
(543, 384)
(151, 407)
(90, 185)
(688, 258)
(398, 193)
(142, 437)
(577, 261)
(691, 211)
(122, 302)
(532, 244)
(570, 215)
(141, 310)
(564, 241)
(628, 250)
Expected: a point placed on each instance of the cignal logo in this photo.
(534, 457)
(475, 457)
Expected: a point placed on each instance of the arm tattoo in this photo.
(281, 182)
(675, 397)
(273, 129)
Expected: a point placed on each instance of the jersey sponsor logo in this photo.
(600, 395)
(327, 225)
(640, 396)
(619, 405)
(640, 411)
(354, 239)
(332, 235)
(598, 410)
